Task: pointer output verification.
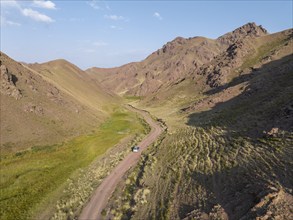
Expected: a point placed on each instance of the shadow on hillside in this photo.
(239, 189)
(240, 79)
(266, 102)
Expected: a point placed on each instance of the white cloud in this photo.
(157, 15)
(27, 12)
(5, 22)
(44, 4)
(114, 17)
(6, 9)
(94, 4)
(37, 16)
(9, 3)
(99, 5)
(100, 44)
(116, 27)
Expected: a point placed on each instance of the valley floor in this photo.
(227, 152)
(199, 173)
(34, 179)
(101, 195)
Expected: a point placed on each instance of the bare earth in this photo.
(101, 195)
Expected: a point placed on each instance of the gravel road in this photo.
(101, 195)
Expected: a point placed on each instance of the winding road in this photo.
(101, 195)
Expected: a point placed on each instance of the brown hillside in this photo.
(239, 60)
(228, 150)
(175, 61)
(118, 79)
(77, 83)
(35, 110)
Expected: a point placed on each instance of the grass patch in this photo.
(203, 168)
(262, 51)
(132, 98)
(27, 178)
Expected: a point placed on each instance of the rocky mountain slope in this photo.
(162, 68)
(39, 109)
(175, 61)
(228, 153)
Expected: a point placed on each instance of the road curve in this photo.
(101, 195)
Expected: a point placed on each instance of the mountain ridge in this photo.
(177, 59)
(227, 104)
(228, 150)
(39, 110)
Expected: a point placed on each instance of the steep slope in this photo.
(112, 78)
(36, 111)
(210, 83)
(77, 83)
(171, 64)
(161, 69)
(54, 129)
(228, 153)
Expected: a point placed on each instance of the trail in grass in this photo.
(101, 195)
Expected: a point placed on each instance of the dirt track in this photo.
(100, 197)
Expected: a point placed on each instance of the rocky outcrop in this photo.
(247, 30)
(171, 47)
(8, 84)
(274, 205)
(214, 59)
(32, 108)
(184, 57)
(231, 58)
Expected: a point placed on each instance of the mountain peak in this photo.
(250, 29)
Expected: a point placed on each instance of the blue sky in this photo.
(111, 33)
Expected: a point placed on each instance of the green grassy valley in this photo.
(28, 176)
(213, 117)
